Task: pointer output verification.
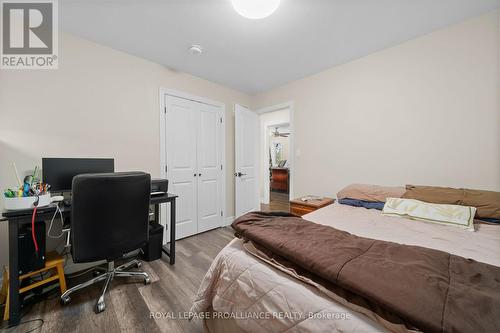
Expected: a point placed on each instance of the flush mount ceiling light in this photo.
(255, 9)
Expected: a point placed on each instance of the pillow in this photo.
(360, 203)
(370, 192)
(451, 215)
(434, 194)
(486, 202)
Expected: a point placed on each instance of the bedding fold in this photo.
(431, 290)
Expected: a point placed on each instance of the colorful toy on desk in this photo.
(27, 190)
(31, 186)
(30, 193)
(9, 193)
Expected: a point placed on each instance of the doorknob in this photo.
(239, 174)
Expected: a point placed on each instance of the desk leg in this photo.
(13, 273)
(170, 251)
(172, 232)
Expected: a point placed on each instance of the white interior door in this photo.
(246, 160)
(181, 153)
(209, 167)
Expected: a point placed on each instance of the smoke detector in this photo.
(195, 50)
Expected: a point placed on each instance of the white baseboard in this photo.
(228, 221)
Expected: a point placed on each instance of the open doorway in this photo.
(279, 167)
(276, 158)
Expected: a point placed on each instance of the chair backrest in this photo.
(109, 215)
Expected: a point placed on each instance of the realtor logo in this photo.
(29, 34)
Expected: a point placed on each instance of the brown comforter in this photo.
(428, 289)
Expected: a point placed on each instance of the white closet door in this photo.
(181, 128)
(209, 167)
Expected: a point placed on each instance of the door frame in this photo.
(163, 93)
(290, 106)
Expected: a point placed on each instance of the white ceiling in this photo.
(302, 37)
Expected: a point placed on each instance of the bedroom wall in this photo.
(99, 103)
(423, 112)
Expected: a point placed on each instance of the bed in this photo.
(249, 295)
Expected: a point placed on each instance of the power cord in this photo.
(52, 294)
(33, 235)
(14, 327)
(35, 328)
(58, 210)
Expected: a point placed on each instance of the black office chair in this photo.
(109, 218)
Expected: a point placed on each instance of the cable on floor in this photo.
(40, 320)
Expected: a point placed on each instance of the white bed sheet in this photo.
(482, 245)
(238, 282)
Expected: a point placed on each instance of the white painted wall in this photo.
(423, 112)
(99, 103)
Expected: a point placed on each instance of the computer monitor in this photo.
(59, 172)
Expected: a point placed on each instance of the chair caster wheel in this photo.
(147, 281)
(138, 264)
(65, 300)
(100, 307)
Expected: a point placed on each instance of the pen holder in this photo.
(26, 202)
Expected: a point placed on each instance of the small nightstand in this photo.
(299, 207)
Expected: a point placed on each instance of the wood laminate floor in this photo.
(278, 201)
(129, 303)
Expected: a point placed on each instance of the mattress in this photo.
(257, 297)
(482, 245)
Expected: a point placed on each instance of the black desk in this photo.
(19, 218)
(168, 198)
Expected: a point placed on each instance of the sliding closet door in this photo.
(181, 128)
(209, 168)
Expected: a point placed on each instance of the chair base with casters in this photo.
(106, 276)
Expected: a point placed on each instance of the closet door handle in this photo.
(199, 174)
(194, 175)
